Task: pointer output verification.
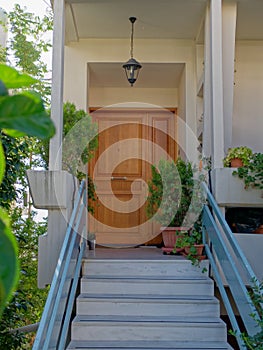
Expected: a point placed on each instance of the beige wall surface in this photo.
(101, 97)
(248, 96)
(76, 85)
(78, 55)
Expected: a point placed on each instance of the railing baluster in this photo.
(58, 304)
(227, 263)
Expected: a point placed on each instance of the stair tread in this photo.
(140, 344)
(147, 319)
(149, 297)
(146, 278)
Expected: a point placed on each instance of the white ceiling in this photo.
(155, 18)
(180, 19)
(113, 75)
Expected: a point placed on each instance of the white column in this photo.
(207, 132)
(229, 35)
(55, 151)
(55, 179)
(191, 146)
(217, 83)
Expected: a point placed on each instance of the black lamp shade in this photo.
(132, 68)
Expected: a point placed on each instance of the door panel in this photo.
(129, 142)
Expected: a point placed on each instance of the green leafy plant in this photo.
(170, 192)
(192, 243)
(28, 301)
(173, 191)
(76, 152)
(243, 153)
(255, 342)
(252, 172)
(20, 114)
(27, 43)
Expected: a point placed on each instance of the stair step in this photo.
(147, 285)
(139, 304)
(144, 328)
(147, 305)
(142, 267)
(150, 345)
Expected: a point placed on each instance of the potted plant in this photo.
(237, 156)
(252, 172)
(171, 194)
(191, 243)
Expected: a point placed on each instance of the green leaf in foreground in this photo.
(3, 89)
(2, 162)
(25, 113)
(9, 266)
(12, 79)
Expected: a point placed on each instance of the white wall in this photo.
(79, 54)
(101, 97)
(248, 96)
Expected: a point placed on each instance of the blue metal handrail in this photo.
(54, 324)
(229, 267)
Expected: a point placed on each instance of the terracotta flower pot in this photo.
(236, 163)
(199, 249)
(170, 236)
(259, 230)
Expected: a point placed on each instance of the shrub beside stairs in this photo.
(146, 304)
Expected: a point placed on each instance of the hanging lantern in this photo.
(132, 67)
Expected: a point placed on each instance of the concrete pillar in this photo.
(229, 35)
(207, 130)
(55, 191)
(55, 150)
(192, 143)
(216, 83)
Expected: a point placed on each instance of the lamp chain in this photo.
(132, 39)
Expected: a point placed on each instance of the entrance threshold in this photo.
(136, 253)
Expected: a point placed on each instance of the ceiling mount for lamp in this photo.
(132, 67)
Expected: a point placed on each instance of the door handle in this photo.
(118, 178)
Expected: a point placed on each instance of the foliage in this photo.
(2, 53)
(79, 144)
(23, 113)
(190, 239)
(22, 310)
(255, 342)
(243, 153)
(252, 173)
(173, 192)
(80, 138)
(8, 260)
(20, 114)
(28, 41)
(15, 151)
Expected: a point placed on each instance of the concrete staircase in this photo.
(146, 304)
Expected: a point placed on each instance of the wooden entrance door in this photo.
(129, 143)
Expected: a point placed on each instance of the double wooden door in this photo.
(129, 142)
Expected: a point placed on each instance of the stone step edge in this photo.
(148, 298)
(137, 344)
(147, 319)
(138, 260)
(139, 278)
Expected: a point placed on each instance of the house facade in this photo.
(201, 83)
